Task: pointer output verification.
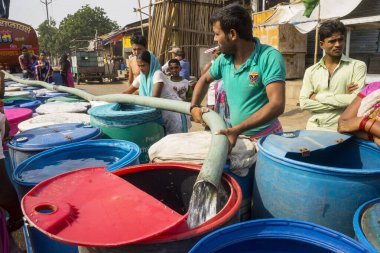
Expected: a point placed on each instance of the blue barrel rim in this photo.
(357, 221)
(10, 145)
(320, 168)
(252, 226)
(131, 156)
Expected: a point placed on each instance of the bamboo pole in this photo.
(316, 33)
(141, 19)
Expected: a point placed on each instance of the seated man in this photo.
(26, 61)
(330, 85)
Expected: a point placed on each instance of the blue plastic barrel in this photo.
(246, 185)
(321, 177)
(113, 154)
(33, 141)
(366, 224)
(27, 103)
(277, 235)
(139, 124)
(46, 96)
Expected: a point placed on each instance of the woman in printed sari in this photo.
(42, 69)
(153, 83)
(361, 118)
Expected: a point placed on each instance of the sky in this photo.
(33, 12)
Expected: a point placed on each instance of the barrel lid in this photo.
(17, 114)
(97, 208)
(300, 141)
(61, 107)
(124, 114)
(366, 224)
(53, 119)
(52, 136)
(16, 93)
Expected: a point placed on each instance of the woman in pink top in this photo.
(361, 118)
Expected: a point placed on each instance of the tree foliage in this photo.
(83, 24)
(47, 36)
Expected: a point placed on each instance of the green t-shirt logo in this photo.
(253, 77)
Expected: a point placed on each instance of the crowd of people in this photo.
(245, 82)
(38, 67)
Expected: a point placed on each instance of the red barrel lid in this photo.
(93, 207)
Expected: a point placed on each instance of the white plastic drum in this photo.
(12, 88)
(62, 107)
(52, 119)
(21, 85)
(43, 91)
(17, 93)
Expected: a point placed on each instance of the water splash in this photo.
(203, 204)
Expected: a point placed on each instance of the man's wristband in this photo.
(193, 106)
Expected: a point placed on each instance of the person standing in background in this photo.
(65, 71)
(331, 84)
(139, 45)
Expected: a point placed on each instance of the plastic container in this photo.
(9, 99)
(366, 224)
(15, 116)
(277, 235)
(31, 142)
(45, 96)
(112, 154)
(31, 104)
(63, 107)
(10, 94)
(139, 124)
(321, 177)
(65, 99)
(169, 184)
(53, 119)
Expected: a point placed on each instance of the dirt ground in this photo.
(292, 119)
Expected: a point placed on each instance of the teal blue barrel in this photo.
(366, 224)
(139, 124)
(33, 141)
(321, 177)
(112, 154)
(277, 235)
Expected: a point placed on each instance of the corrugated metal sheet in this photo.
(364, 41)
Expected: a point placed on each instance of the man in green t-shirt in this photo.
(253, 74)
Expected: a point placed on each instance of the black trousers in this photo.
(4, 8)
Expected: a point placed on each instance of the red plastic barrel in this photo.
(170, 184)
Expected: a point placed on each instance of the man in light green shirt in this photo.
(330, 85)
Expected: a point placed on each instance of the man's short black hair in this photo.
(174, 61)
(139, 39)
(234, 16)
(24, 48)
(329, 27)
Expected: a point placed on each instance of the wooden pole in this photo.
(141, 20)
(316, 33)
(150, 19)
